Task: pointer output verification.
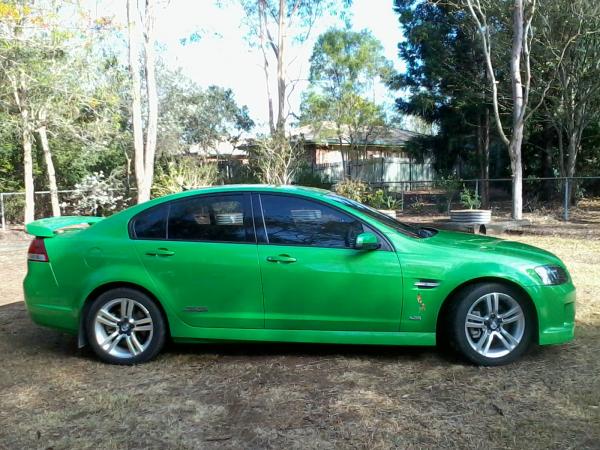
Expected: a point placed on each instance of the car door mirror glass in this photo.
(367, 241)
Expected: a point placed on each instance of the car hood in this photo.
(496, 246)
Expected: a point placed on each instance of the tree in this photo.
(446, 80)
(192, 115)
(273, 25)
(144, 152)
(345, 65)
(276, 159)
(46, 68)
(570, 44)
(523, 13)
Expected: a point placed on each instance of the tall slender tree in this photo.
(523, 13)
(141, 37)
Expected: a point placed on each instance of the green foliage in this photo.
(98, 195)
(469, 198)
(445, 80)
(276, 159)
(345, 65)
(191, 115)
(381, 199)
(307, 177)
(451, 186)
(363, 193)
(183, 175)
(353, 189)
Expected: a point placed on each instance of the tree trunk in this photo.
(483, 144)
(517, 112)
(152, 94)
(517, 173)
(281, 81)
(43, 135)
(136, 100)
(28, 168)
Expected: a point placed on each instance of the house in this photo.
(377, 156)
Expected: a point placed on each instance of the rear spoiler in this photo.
(52, 225)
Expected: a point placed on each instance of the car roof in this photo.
(289, 189)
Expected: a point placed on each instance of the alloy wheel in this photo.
(123, 328)
(495, 325)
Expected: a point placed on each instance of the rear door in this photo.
(313, 278)
(201, 253)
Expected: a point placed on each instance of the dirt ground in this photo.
(298, 396)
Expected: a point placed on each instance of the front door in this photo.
(201, 254)
(313, 278)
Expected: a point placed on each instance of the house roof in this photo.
(327, 134)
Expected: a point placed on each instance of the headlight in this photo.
(552, 275)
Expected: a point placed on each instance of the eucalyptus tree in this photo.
(141, 39)
(345, 66)
(445, 84)
(486, 14)
(569, 45)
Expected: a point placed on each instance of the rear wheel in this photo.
(124, 326)
(491, 324)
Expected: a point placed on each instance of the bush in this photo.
(184, 175)
(353, 189)
(382, 200)
(97, 195)
(469, 198)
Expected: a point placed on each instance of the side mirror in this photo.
(367, 241)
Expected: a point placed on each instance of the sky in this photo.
(223, 57)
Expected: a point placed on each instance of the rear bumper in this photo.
(556, 313)
(44, 301)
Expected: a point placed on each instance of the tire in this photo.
(491, 324)
(124, 326)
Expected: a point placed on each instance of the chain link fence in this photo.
(547, 195)
(72, 202)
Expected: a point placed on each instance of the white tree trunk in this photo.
(281, 73)
(43, 135)
(28, 169)
(136, 100)
(516, 139)
(151, 131)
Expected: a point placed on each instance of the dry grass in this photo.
(294, 396)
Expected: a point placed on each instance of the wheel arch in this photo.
(443, 316)
(99, 290)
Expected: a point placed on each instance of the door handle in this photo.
(285, 259)
(161, 252)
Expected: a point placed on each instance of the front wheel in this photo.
(492, 324)
(124, 326)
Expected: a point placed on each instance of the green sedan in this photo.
(289, 264)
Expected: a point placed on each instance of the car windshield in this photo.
(380, 217)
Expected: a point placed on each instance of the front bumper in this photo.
(556, 312)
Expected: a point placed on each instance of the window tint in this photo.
(222, 218)
(296, 221)
(384, 218)
(151, 224)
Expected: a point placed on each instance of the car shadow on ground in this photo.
(25, 336)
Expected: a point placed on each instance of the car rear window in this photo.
(152, 223)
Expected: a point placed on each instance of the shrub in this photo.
(469, 198)
(184, 175)
(382, 200)
(353, 189)
(97, 195)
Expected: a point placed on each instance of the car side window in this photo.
(152, 223)
(291, 220)
(218, 218)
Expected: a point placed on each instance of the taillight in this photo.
(37, 251)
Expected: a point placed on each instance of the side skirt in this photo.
(309, 336)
